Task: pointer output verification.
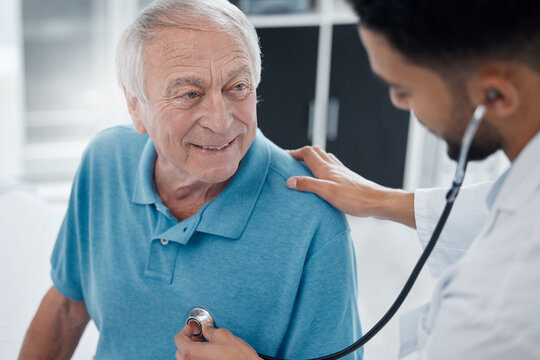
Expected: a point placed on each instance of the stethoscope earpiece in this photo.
(492, 94)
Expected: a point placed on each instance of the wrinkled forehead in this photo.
(178, 56)
(193, 41)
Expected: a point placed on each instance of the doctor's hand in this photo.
(222, 345)
(348, 191)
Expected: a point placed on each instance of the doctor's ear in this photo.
(135, 111)
(499, 93)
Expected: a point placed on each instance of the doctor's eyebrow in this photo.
(385, 82)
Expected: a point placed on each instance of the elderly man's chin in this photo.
(217, 174)
(214, 168)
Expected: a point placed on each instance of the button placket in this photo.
(161, 259)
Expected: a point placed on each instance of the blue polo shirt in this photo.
(274, 266)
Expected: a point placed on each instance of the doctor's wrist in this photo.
(395, 205)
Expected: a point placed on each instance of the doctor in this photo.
(440, 59)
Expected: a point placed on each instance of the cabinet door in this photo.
(371, 134)
(288, 83)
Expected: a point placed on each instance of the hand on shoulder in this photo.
(348, 191)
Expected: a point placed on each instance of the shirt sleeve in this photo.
(325, 317)
(68, 250)
(466, 219)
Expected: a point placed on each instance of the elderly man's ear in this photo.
(135, 110)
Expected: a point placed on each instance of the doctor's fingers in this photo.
(322, 153)
(324, 188)
(190, 351)
(187, 334)
(301, 153)
(317, 161)
(185, 338)
(335, 159)
(189, 346)
(222, 344)
(305, 152)
(328, 157)
(309, 151)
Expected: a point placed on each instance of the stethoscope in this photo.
(198, 316)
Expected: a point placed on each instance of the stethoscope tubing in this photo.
(461, 167)
(402, 295)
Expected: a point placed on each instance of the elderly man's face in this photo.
(201, 113)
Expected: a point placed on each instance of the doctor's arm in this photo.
(350, 192)
(56, 328)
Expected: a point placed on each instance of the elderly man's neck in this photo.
(184, 195)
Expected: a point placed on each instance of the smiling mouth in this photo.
(214, 147)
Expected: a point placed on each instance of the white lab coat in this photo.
(486, 304)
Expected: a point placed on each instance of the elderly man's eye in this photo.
(240, 87)
(239, 91)
(191, 95)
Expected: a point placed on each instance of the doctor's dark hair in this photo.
(457, 33)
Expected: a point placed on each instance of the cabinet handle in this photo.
(332, 119)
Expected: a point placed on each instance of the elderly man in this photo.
(190, 209)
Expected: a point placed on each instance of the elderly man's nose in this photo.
(218, 117)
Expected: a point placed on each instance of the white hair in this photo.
(190, 14)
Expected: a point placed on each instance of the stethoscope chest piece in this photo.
(196, 318)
